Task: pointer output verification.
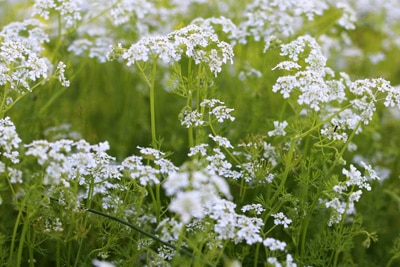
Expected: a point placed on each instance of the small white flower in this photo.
(191, 118)
(274, 244)
(61, 76)
(280, 218)
(199, 149)
(355, 178)
(279, 129)
(222, 141)
(98, 263)
(287, 65)
(258, 208)
(188, 205)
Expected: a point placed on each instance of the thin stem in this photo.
(288, 165)
(152, 106)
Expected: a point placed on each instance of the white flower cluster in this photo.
(194, 42)
(191, 118)
(20, 55)
(9, 146)
(67, 161)
(279, 129)
(122, 11)
(312, 82)
(9, 140)
(319, 90)
(266, 18)
(147, 174)
(218, 109)
(196, 195)
(275, 262)
(203, 186)
(281, 219)
(68, 10)
(344, 202)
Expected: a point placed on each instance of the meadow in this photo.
(199, 133)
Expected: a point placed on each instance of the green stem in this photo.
(288, 165)
(14, 236)
(89, 204)
(337, 252)
(22, 242)
(152, 106)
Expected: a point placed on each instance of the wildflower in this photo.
(287, 65)
(355, 178)
(176, 182)
(199, 149)
(188, 205)
(191, 118)
(313, 82)
(218, 164)
(274, 244)
(258, 208)
(9, 140)
(61, 76)
(152, 153)
(280, 218)
(68, 10)
(170, 229)
(266, 18)
(270, 177)
(198, 44)
(122, 11)
(289, 261)
(218, 109)
(279, 129)
(152, 47)
(371, 172)
(230, 225)
(194, 42)
(271, 154)
(222, 141)
(274, 261)
(99, 263)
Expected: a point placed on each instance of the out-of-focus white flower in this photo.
(99, 263)
(279, 129)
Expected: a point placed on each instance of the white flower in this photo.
(274, 261)
(289, 261)
(274, 244)
(199, 149)
(355, 196)
(188, 205)
(61, 76)
(152, 47)
(9, 140)
(176, 182)
(355, 178)
(371, 172)
(258, 208)
(287, 65)
(191, 118)
(280, 218)
(222, 141)
(218, 109)
(279, 129)
(99, 263)
(68, 10)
